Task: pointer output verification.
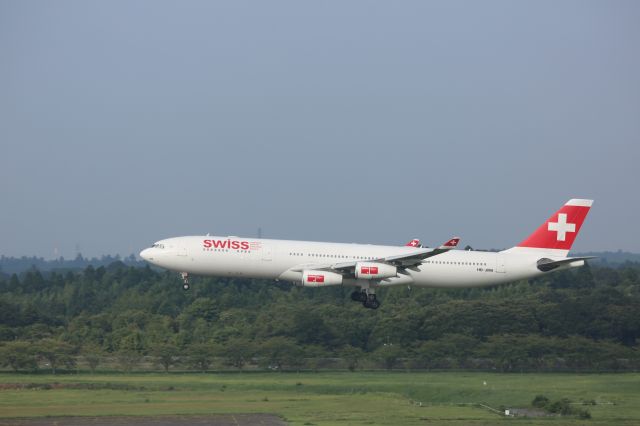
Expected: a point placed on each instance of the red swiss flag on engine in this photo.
(561, 229)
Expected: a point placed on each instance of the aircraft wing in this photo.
(400, 260)
(406, 259)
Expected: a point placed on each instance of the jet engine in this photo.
(320, 278)
(375, 271)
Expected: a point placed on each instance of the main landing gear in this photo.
(185, 280)
(367, 299)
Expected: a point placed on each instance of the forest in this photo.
(124, 317)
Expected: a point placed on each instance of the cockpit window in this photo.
(156, 245)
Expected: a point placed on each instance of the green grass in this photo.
(326, 398)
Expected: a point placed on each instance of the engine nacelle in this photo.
(320, 278)
(375, 271)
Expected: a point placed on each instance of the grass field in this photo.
(341, 398)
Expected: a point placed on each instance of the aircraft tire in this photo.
(358, 296)
(371, 303)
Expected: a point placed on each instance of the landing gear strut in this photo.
(185, 280)
(367, 298)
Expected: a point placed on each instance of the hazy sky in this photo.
(124, 122)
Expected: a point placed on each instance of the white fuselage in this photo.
(285, 259)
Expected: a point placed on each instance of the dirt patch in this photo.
(212, 420)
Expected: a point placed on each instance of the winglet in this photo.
(413, 243)
(451, 244)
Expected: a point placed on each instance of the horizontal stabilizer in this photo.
(546, 265)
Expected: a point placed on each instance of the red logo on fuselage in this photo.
(370, 270)
(226, 244)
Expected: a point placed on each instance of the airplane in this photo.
(370, 267)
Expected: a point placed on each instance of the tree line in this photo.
(17, 265)
(129, 317)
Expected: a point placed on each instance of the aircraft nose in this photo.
(146, 254)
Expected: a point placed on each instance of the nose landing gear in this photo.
(185, 280)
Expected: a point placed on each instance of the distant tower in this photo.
(259, 232)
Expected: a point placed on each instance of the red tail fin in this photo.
(561, 229)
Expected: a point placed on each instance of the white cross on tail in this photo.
(561, 227)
